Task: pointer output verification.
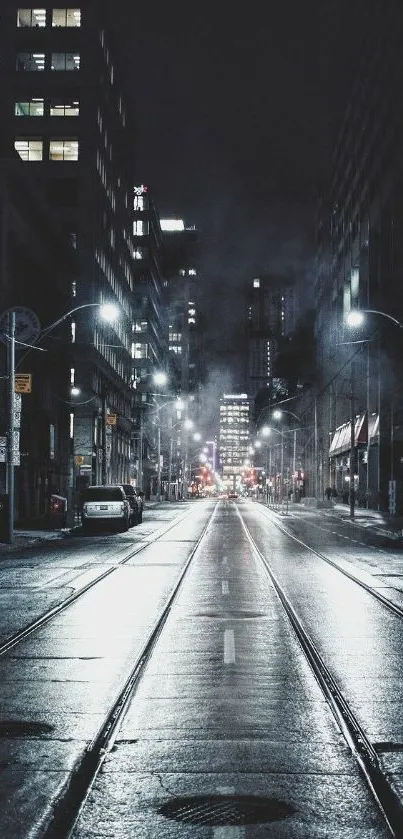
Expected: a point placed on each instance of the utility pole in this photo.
(171, 445)
(316, 448)
(140, 466)
(10, 440)
(103, 433)
(159, 460)
(352, 445)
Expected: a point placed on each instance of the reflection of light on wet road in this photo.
(351, 614)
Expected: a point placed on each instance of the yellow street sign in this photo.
(111, 419)
(23, 383)
(79, 459)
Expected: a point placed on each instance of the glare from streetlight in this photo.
(188, 423)
(109, 311)
(277, 414)
(354, 318)
(160, 378)
(197, 436)
(266, 431)
(75, 391)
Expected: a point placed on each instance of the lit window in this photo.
(256, 283)
(30, 62)
(140, 253)
(139, 203)
(61, 108)
(29, 149)
(140, 228)
(139, 350)
(63, 149)
(31, 17)
(66, 17)
(65, 61)
(32, 108)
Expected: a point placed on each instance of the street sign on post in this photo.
(23, 383)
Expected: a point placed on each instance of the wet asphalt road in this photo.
(227, 707)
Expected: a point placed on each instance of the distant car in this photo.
(105, 504)
(135, 500)
(232, 495)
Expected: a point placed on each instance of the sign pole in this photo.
(10, 441)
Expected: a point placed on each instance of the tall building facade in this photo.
(182, 280)
(360, 266)
(65, 117)
(270, 318)
(234, 436)
(149, 339)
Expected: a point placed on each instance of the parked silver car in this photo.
(105, 505)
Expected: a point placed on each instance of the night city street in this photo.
(222, 708)
(201, 420)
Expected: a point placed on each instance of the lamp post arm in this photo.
(65, 316)
(56, 323)
(384, 314)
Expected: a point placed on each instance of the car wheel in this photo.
(125, 525)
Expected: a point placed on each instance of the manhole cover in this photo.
(20, 728)
(225, 809)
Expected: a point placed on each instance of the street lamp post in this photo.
(108, 311)
(10, 435)
(355, 318)
(266, 431)
(277, 415)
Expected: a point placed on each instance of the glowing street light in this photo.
(160, 378)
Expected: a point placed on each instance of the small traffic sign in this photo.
(23, 383)
(111, 419)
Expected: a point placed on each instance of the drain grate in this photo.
(21, 728)
(225, 809)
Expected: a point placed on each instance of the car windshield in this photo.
(103, 494)
(129, 489)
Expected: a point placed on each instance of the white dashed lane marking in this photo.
(229, 646)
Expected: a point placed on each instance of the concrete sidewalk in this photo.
(25, 538)
(382, 523)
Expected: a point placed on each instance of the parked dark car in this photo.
(135, 502)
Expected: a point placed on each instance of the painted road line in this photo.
(225, 587)
(229, 646)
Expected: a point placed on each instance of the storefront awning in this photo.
(341, 440)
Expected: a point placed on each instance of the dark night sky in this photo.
(237, 112)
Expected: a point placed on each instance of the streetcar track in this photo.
(392, 607)
(361, 747)
(43, 619)
(67, 808)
